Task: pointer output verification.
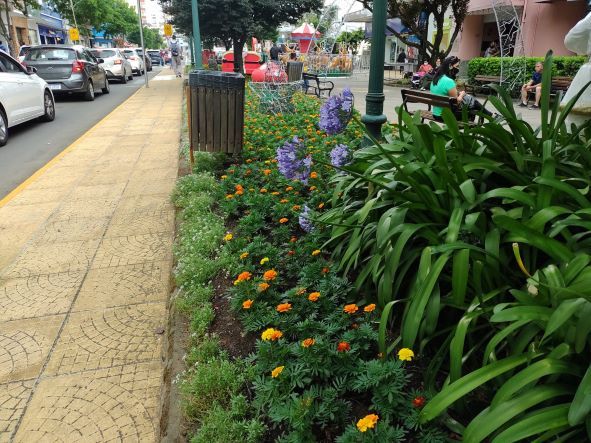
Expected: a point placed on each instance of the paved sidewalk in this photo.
(85, 261)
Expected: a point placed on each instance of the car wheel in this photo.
(124, 78)
(3, 129)
(49, 106)
(130, 76)
(107, 88)
(89, 94)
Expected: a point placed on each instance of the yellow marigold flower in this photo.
(228, 237)
(312, 188)
(296, 207)
(321, 205)
(406, 354)
(247, 304)
(283, 220)
(224, 177)
(229, 196)
(308, 342)
(267, 162)
(277, 371)
(248, 160)
(313, 175)
(243, 255)
(283, 307)
(243, 277)
(316, 252)
(263, 191)
(301, 291)
(267, 172)
(275, 193)
(370, 308)
(314, 296)
(367, 422)
(264, 260)
(271, 334)
(270, 275)
(351, 309)
(263, 287)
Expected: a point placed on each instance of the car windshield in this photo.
(50, 54)
(128, 52)
(139, 51)
(104, 53)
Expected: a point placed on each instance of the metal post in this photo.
(139, 12)
(196, 35)
(192, 48)
(374, 116)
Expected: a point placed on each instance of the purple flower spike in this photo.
(336, 112)
(304, 220)
(293, 161)
(340, 156)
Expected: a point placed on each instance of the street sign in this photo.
(74, 35)
(168, 29)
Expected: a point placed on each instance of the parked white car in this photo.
(137, 62)
(24, 96)
(115, 64)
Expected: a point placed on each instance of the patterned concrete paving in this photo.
(85, 262)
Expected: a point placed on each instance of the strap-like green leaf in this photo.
(535, 424)
(580, 408)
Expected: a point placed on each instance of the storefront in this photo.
(51, 26)
(49, 36)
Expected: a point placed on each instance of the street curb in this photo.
(20, 188)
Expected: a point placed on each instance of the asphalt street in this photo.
(32, 144)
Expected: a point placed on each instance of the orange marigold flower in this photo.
(248, 160)
(312, 188)
(418, 402)
(271, 334)
(291, 252)
(247, 304)
(293, 239)
(248, 172)
(314, 296)
(308, 342)
(231, 171)
(316, 252)
(267, 172)
(367, 422)
(325, 270)
(296, 207)
(370, 308)
(263, 191)
(277, 371)
(313, 174)
(263, 287)
(351, 309)
(283, 307)
(284, 200)
(289, 188)
(283, 220)
(229, 196)
(270, 275)
(243, 255)
(321, 205)
(343, 347)
(239, 189)
(243, 277)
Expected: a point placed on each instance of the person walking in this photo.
(176, 56)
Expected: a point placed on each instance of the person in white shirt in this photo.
(176, 56)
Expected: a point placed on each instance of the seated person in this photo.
(424, 69)
(444, 84)
(428, 77)
(534, 84)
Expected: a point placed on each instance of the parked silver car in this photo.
(68, 69)
(137, 62)
(115, 64)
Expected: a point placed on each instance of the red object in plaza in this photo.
(228, 62)
(305, 34)
(252, 62)
(270, 73)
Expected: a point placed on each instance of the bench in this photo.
(321, 85)
(559, 84)
(483, 82)
(426, 98)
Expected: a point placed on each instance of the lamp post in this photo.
(374, 116)
(196, 35)
(139, 11)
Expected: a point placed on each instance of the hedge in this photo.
(563, 66)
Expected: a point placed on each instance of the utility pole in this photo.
(374, 116)
(139, 13)
(196, 35)
(11, 40)
(74, 16)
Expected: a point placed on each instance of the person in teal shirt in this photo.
(444, 84)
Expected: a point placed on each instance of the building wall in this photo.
(544, 26)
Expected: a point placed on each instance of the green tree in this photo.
(152, 38)
(352, 38)
(416, 14)
(89, 13)
(122, 19)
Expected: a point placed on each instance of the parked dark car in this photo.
(68, 69)
(156, 57)
(147, 59)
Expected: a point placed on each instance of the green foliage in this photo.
(152, 38)
(566, 66)
(113, 16)
(352, 38)
(475, 242)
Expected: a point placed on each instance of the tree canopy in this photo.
(352, 38)
(416, 14)
(152, 38)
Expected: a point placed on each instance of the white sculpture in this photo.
(579, 40)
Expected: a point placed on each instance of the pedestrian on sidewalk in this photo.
(176, 56)
(535, 84)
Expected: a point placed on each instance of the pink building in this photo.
(544, 24)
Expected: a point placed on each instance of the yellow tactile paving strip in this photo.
(85, 261)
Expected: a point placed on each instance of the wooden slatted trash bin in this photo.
(216, 111)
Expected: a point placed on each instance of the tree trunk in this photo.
(238, 47)
(11, 38)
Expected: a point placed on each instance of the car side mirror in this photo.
(101, 60)
(31, 70)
